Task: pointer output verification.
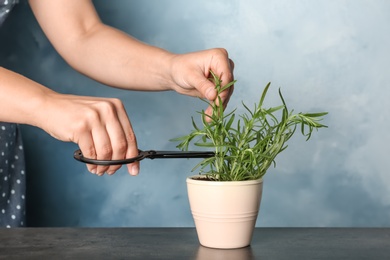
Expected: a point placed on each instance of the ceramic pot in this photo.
(224, 213)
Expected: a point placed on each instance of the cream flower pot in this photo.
(224, 213)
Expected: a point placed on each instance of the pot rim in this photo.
(219, 183)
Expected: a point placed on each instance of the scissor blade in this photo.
(180, 154)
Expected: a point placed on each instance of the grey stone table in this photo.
(182, 243)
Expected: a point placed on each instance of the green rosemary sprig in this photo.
(245, 147)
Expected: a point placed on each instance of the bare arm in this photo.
(20, 98)
(100, 126)
(99, 51)
(116, 59)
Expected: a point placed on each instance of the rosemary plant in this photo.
(245, 147)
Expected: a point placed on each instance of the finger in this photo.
(225, 97)
(205, 87)
(226, 77)
(103, 147)
(226, 71)
(87, 148)
(118, 143)
(116, 129)
(209, 112)
(131, 141)
(133, 168)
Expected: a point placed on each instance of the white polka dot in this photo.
(5, 178)
(2, 127)
(20, 147)
(22, 172)
(6, 144)
(18, 207)
(13, 216)
(23, 197)
(3, 211)
(12, 166)
(8, 226)
(8, 201)
(18, 181)
(12, 191)
(3, 194)
(16, 157)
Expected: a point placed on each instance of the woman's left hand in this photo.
(190, 74)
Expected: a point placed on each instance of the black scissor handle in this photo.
(78, 155)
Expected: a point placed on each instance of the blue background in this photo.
(325, 55)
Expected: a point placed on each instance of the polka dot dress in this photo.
(12, 177)
(5, 8)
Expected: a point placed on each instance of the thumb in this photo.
(205, 87)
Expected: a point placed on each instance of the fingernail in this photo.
(93, 171)
(134, 170)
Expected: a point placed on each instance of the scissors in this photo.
(150, 154)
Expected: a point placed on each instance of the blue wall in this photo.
(325, 55)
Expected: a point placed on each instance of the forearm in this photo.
(116, 59)
(20, 98)
(100, 51)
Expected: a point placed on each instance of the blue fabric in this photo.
(12, 177)
(5, 8)
(12, 165)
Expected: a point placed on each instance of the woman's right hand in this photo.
(100, 126)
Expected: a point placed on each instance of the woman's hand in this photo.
(100, 126)
(191, 72)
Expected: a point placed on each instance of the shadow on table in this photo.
(244, 253)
